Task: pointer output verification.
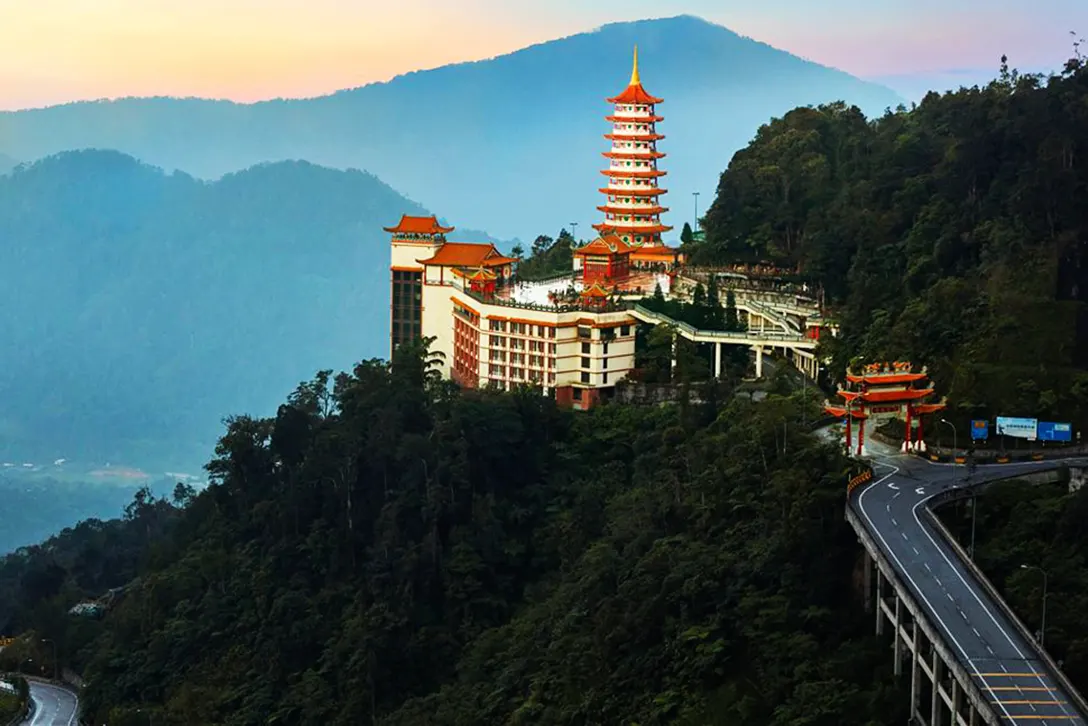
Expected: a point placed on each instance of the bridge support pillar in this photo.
(956, 705)
(935, 701)
(915, 675)
(897, 649)
(717, 360)
(879, 601)
(759, 361)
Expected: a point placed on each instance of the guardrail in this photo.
(863, 478)
(1028, 636)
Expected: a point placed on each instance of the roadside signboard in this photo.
(1019, 428)
(980, 429)
(1050, 431)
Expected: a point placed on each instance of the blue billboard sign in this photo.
(1019, 428)
(1050, 431)
(980, 429)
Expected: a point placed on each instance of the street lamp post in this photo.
(696, 195)
(56, 666)
(955, 444)
(1042, 624)
(574, 231)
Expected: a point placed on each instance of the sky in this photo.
(55, 51)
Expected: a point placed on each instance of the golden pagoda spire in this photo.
(634, 70)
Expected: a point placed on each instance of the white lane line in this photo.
(894, 522)
(927, 566)
(974, 594)
(921, 593)
(939, 583)
(904, 535)
(976, 632)
(915, 550)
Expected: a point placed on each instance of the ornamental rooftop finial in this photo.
(634, 69)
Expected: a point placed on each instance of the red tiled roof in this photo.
(608, 244)
(595, 290)
(418, 225)
(467, 254)
(885, 378)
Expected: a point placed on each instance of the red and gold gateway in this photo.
(882, 391)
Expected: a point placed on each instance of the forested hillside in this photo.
(387, 550)
(954, 235)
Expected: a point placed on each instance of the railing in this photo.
(580, 307)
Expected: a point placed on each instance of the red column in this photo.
(921, 437)
(861, 436)
(849, 438)
(906, 437)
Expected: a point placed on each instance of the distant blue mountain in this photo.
(140, 307)
(511, 144)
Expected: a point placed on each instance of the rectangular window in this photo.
(584, 332)
(585, 377)
(585, 348)
(625, 330)
(585, 362)
(605, 351)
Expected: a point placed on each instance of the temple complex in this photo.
(572, 335)
(632, 210)
(883, 391)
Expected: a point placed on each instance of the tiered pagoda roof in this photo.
(634, 157)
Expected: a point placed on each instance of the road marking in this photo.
(894, 522)
(974, 594)
(915, 550)
(920, 490)
(893, 486)
(939, 583)
(1029, 702)
(921, 593)
(990, 649)
(1020, 688)
(976, 632)
(1006, 674)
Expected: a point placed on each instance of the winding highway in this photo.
(1006, 668)
(53, 705)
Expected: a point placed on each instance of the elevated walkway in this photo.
(800, 349)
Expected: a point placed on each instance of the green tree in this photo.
(686, 235)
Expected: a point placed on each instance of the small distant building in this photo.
(882, 391)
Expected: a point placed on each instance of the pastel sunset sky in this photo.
(52, 51)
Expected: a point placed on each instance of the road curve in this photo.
(1006, 667)
(53, 705)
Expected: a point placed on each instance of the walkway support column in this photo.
(759, 361)
(717, 360)
(879, 601)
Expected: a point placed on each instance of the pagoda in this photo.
(633, 210)
(882, 391)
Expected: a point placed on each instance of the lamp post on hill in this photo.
(955, 444)
(696, 195)
(574, 231)
(1042, 624)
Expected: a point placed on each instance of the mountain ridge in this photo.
(539, 108)
(183, 300)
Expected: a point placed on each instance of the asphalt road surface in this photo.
(53, 706)
(1005, 667)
